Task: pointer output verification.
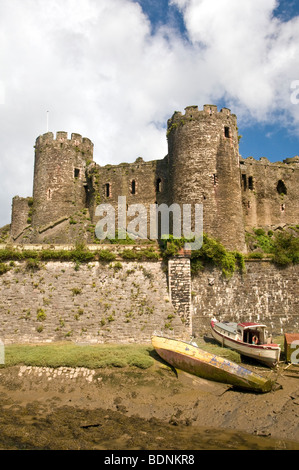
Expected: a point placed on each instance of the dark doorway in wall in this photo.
(226, 131)
(244, 182)
(76, 173)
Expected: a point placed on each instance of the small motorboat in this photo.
(248, 339)
(190, 358)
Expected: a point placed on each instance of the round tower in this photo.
(203, 154)
(59, 187)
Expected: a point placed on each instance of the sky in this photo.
(115, 70)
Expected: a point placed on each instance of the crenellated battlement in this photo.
(192, 113)
(62, 137)
(264, 161)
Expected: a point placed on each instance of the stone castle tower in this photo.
(59, 176)
(203, 154)
(203, 166)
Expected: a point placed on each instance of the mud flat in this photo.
(132, 409)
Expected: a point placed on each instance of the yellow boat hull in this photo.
(194, 360)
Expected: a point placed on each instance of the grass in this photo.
(74, 355)
(101, 355)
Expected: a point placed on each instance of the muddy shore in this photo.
(134, 409)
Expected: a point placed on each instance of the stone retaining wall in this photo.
(264, 293)
(127, 301)
(95, 302)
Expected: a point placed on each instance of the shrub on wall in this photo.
(282, 247)
(211, 252)
(286, 249)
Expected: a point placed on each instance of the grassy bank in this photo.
(74, 355)
(100, 355)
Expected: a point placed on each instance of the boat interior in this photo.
(250, 334)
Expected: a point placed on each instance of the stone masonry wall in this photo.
(19, 215)
(270, 192)
(122, 302)
(95, 302)
(264, 293)
(179, 278)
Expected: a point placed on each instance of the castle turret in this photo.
(59, 187)
(204, 168)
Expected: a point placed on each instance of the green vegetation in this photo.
(4, 233)
(71, 355)
(4, 268)
(41, 315)
(30, 210)
(124, 240)
(211, 252)
(106, 255)
(282, 247)
(80, 254)
(68, 354)
(32, 264)
(286, 249)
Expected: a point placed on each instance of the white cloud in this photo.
(253, 54)
(99, 70)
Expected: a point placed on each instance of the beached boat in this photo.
(248, 339)
(190, 358)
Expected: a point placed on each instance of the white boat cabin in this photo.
(251, 333)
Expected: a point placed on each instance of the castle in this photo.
(203, 166)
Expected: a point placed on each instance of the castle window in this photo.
(133, 187)
(49, 194)
(244, 182)
(281, 187)
(283, 207)
(159, 185)
(76, 173)
(215, 179)
(226, 131)
(107, 190)
(250, 183)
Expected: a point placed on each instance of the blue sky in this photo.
(116, 70)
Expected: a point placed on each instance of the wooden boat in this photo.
(190, 358)
(248, 339)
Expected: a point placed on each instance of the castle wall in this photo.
(128, 301)
(203, 166)
(59, 176)
(270, 192)
(20, 215)
(140, 182)
(117, 302)
(264, 293)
